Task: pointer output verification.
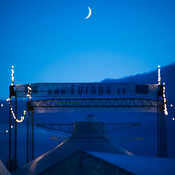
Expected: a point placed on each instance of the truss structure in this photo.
(161, 134)
(94, 104)
(68, 128)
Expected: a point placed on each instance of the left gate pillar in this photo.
(30, 132)
(12, 162)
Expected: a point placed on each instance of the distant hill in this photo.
(167, 75)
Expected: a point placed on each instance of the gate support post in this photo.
(12, 162)
(30, 133)
(161, 128)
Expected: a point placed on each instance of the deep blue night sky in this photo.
(50, 41)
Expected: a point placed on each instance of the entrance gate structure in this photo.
(70, 97)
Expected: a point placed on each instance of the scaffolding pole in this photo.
(30, 135)
(12, 162)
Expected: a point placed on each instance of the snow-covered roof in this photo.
(138, 164)
(87, 136)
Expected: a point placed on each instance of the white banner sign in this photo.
(89, 90)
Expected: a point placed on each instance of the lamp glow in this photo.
(29, 91)
(12, 76)
(159, 77)
(164, 100)
(15, 118)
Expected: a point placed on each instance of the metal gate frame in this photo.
(76, 103)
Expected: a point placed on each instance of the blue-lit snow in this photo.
(139, 164)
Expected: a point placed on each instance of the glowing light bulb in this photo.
(159, 77)
(164, 100)
(29, 88)
(15, 118)
(8, 99)
(6, 131)
(12, 76)
(171, 105)
(2, 105)
(29, 92)
(173, 118)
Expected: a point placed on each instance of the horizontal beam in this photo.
(96, 102)
(109, 127)
(51, 105)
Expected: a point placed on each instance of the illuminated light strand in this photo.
(24, 112)
(164, 100)
(159, 77)
(9, 100)
(15, 118)
(12, 76)
(29, 92)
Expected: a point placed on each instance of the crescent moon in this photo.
(89, 13)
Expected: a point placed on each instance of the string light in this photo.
(171, 105)
(24, 112)
(2, 105)
(12, 76)
(173, 118)
(15, 118)
(29, 91)
(159, 77)
(164, 100)
(9, 100)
